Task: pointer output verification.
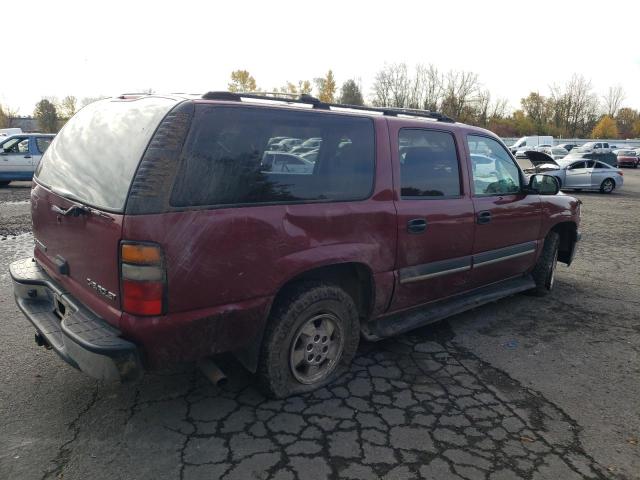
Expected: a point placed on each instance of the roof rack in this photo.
(316, 103)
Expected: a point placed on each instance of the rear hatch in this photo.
(79, 196)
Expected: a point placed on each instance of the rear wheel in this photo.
(544, 273)
(607, 186)
(311, 336)
(4, 183)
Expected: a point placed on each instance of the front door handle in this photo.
(417, 225)
(483, 217)
(27, 156)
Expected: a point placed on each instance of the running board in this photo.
(403, 322)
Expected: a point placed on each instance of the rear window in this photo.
(244, 155)
(95, 155)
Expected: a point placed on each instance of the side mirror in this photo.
(544, 185)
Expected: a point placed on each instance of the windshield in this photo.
(94, 157)
(559, 151)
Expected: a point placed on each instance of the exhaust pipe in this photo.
(212, 372)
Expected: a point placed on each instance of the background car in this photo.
(586, 174)
(567, 146)
(595, 147)
(20, 155)
(554, 152)
(627, 158)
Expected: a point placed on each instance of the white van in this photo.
(532, 141)
(6, 132)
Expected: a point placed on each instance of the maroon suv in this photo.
(173, 228)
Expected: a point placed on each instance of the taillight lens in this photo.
(143, 279)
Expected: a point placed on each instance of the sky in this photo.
(94, 48)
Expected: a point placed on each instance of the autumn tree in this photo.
(326, 88)
(350, 93)
(538, 109)
(606, 128)
(46, 115)
(242, 81)
(626, 119)
(68, 107)
(303, 87)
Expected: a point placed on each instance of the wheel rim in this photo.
(316, 348)
(607, 186)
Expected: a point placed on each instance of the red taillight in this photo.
(621, 173)
(142, 298)
(142, 278)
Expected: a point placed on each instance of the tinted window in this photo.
(42, 143)
(575, 166)
(428, 164)
(590, 164)
(244, 155)
(602, 165)
(95, 155)
(494, 171)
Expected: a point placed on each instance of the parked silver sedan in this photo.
(585, 174)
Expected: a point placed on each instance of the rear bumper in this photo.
(81, 338)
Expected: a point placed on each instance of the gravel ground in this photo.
(523, 388)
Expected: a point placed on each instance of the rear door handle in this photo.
(483, 217)
(27, 156)
(417, 225)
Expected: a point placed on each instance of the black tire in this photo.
(607, 185)
(4, 183)
(545, 270)
(301, 305)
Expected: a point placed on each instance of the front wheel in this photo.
(607, 186)
(312, 334)
(544, 273)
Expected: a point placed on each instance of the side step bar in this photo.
(403, 322)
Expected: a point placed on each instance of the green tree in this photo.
(350, 93)
(326, 87)
(46, 115)
(68, 107)
(242, 81)
(605, 128)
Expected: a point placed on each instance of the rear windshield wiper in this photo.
(78, 209)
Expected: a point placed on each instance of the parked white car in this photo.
(20, 155)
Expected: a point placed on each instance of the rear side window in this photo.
(95, 155)
(42, 143)
(244, 155)
(428, 164)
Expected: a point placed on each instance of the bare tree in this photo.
(613, 100)
(575, 106)
(460, 90)
(391, 87)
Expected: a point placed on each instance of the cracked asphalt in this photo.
(522, 388)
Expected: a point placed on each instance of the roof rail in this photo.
(316, 103)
